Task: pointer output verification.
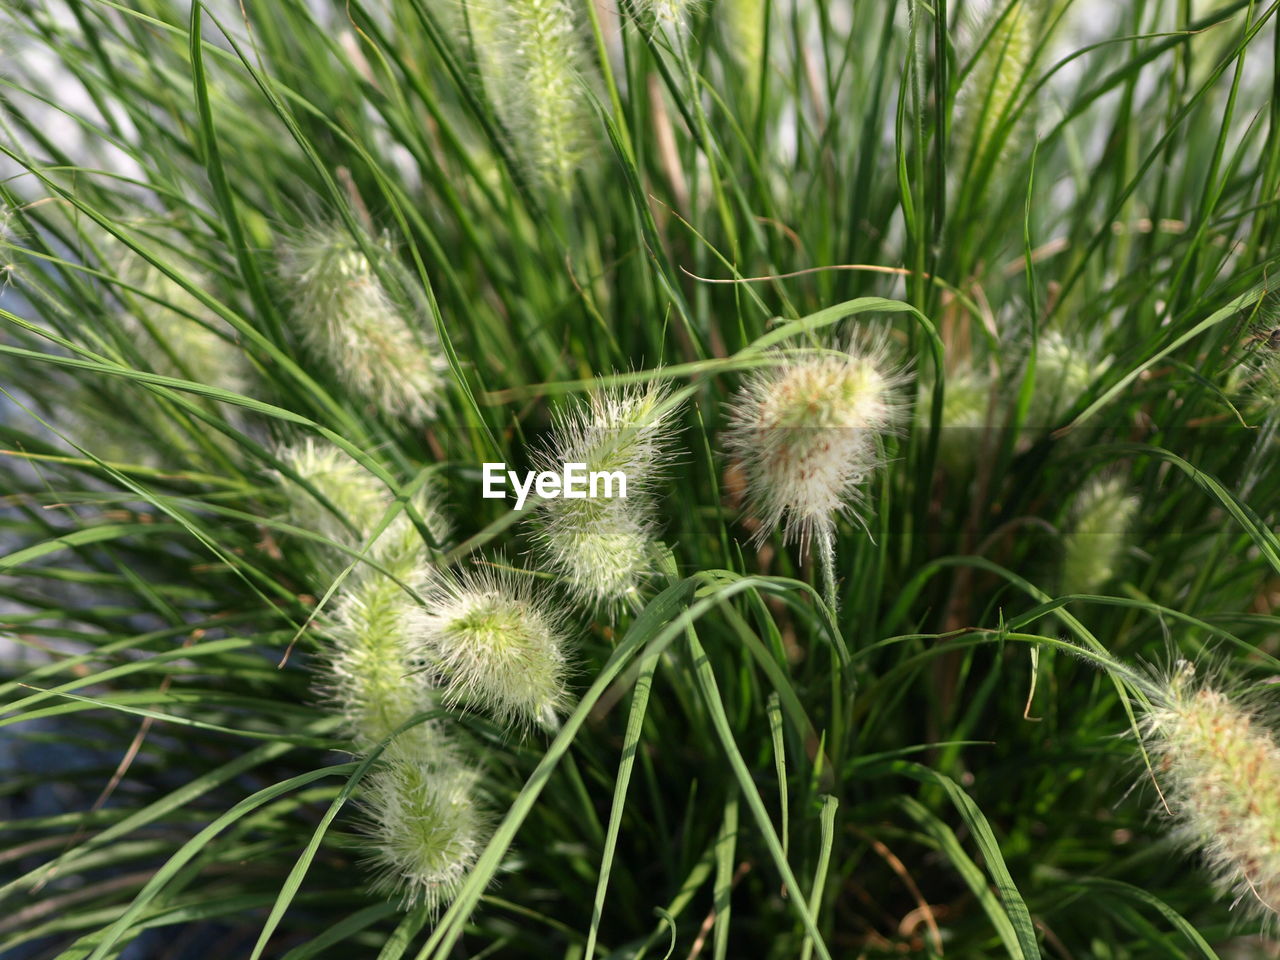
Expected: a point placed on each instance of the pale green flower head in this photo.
(666, 14)
(355, 494)
(966, 403)
(1065, 368)
(400, 548)
(425, 823)
(359, 503)
(1094, 546)
(373, 677)
(495, 644)
(625, 430)
(743, 24)
(1218, 769)
(8, 233)
(1006, 34)
(603, 550)
(171, 333)
(808, 433)
(1258, 373)
(375, 339)
(177, 334)
(606, 562)
(533, 62)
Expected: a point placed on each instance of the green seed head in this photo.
(532, 62)
(603, 549)
(1218, 770)
(985, 104)
(375, 680)
(1259, 370)
(606, 562)
(494, 645)
(425, 823)
(177, 334)
(665, 14)
(1094, 547)
(357, 504)
(743, 25)
(808, 433)
(1065, 369)
(965, 408)
(370, 336)
(355, 497)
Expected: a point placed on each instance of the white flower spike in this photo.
(532, 60)
(808, 432)
(378, 345)
(494, 644)
(1101, 516)
(1218, 769)
(425, 824)
(359, 502)
(604, 549)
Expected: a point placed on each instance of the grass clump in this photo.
(935, 342)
